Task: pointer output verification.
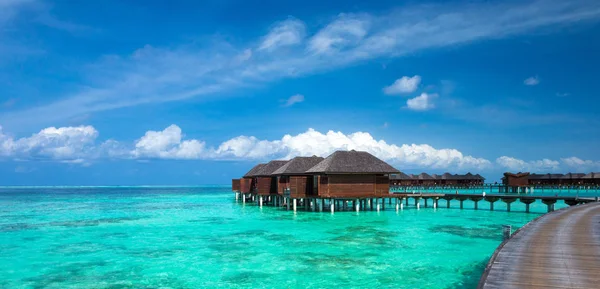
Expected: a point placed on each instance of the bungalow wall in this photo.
(235, 185)
(353, 186)
(283, 182)
(517, 181)
(266, 186)
(246, 185)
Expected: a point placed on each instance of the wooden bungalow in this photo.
(266, 183)
(293, 181)
(402, 179)
(516, 180)
(591, 179)
(448, 179)
(351, 174)
(235, 185)
(425, 179)
(247, 182)
(572, 179)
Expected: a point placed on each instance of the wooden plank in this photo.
(558, 250)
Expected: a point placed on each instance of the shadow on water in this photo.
(69, 224)
(246, 277)
(470, 275)
(83, 274)
(485, 232)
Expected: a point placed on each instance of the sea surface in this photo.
(199, 237)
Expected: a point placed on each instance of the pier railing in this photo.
(576, 191)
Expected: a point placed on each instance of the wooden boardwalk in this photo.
(558, 250)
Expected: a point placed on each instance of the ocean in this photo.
(199, 237)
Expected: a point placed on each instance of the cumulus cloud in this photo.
(402, 85)
(77, 145)
(421, 102)
(167, 144)
(285, 33)
(63, 143)
(313, 142)
(297, 98)
(574, 164)
(534, 80)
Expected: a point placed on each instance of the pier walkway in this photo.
(558, 250)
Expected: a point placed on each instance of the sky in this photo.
(197, 92)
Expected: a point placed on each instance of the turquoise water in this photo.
(199, 237)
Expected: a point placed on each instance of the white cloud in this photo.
(514, 164)
(313, 142)
(534, 80)
(563, 165)
(77, 145)
(562, 94)
(285, 33)
(421, 102)
(343, 31)
(65, 143)
(402, 85)
(297, 98)
(167, 144)
(161, 74)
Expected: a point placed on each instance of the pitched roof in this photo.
(572, 176)
(592, 175)
(353, 162)
(436, 177)
(479, 177)
(269, 168)
(448, 176)
(424, 176)
(254, 170)
(298, 165)
(400, 176)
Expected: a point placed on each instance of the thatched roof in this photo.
(436, 177)
(298, 165)
(269, 168)
(352, 162)
(424, 176)
(400, 176)
(447, 176)
(479, 177)
(537, 176)
(570, 176)
(252, 172)
(592, 176)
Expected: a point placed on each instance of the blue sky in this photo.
(196, 92)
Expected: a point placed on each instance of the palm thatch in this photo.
(269, 168)
(298, 165)
(352, 162)
(252, 172)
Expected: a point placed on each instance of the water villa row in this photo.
(446, 179)
(357, 180)
(569, 179)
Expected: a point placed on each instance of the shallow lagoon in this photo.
(196, 237)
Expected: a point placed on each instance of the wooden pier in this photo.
(558, 250)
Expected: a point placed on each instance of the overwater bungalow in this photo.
(519, 179)
(293, 181)
(351, 174)
(247, 182)
(266, 182)
(425, 179)
(235, 185)
(401, 179)
(591, 179)
(569, 179)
